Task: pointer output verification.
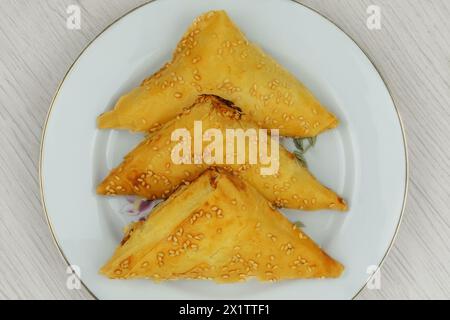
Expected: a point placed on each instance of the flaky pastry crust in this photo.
(149, 171)
(218, 228)
(214, 57)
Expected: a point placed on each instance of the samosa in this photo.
(150, 171)
(218, 228)
(214, 57)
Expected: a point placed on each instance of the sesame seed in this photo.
(198, 236)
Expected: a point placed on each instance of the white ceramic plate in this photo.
(364, 159)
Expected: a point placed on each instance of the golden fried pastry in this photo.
(218, 228)
(214, 57)
(149, 170)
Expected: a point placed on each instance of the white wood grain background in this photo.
(412, 52)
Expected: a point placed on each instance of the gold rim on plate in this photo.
(149, 2)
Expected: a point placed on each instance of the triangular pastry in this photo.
(150, 172)
(214, 57)
(218, 228)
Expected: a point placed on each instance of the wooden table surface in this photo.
(411, 51)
